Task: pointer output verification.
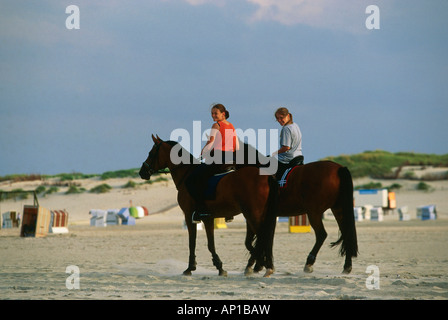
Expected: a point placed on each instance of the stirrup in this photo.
(197, 217)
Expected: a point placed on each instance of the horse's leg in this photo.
(318, 227)
(250, 235)
(264, 260)
(248, 242)
(269, 263)
(347, 264)
(259, 265)
(209, 229)
(192, 232)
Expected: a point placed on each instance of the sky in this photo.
(87, 100)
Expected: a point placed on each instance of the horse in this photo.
(242, 191)
(311, 189)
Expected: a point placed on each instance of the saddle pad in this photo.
(210, 192)
(284, 180)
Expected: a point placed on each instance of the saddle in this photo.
(284, 171)
(284, 177)
(212, 184)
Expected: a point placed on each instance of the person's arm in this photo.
(237, 144)
(209, 145)
(281, 150)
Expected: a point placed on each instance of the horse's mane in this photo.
(171, 142)
(250, 154)
(193, 160)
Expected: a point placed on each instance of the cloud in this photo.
(286, 11)
(201, 2)
(347, 15)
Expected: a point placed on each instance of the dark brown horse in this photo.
(242, 191)
(312, 189)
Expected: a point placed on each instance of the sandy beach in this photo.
(146, 261)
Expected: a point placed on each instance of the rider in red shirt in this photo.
(219, 149)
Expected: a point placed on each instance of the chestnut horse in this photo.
(242, 191)
(312, 189)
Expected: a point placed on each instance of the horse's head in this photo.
(155, 161)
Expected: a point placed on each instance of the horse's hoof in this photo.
(223, 273)
(187, 272)
(268, 273)
(308, 268)
(347, 270)
(248, 272)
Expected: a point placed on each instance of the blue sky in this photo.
(88, 100)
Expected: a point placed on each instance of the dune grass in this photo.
(375, 164)
(380, 164)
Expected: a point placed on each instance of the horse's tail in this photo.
(349, 246)
(265, 236)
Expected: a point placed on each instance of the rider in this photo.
(290, 152)
(220, 149)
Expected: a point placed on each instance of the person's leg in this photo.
(281, 169)
(197, 185)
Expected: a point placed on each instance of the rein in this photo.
(151, 170)
(180, 178)
(147, 165)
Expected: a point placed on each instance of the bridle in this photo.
(150, 170)
(147, 165)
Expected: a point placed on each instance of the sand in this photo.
(145, 261)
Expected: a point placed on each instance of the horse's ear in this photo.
(156, 140)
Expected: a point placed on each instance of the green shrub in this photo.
(423, 186)
(395, 186)
(54, 189)
(73, 176)
(131, 173)
(74, 189)
(40, 189)
(158, 179)
(370, 185)
(410, 175)
(102, 188)
(130, 184)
